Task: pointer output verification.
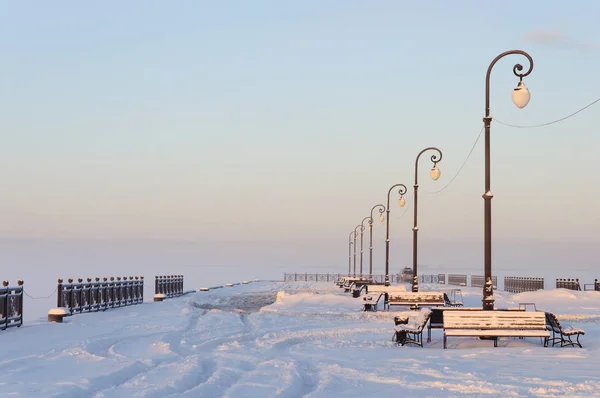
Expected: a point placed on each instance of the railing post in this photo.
(59, 293)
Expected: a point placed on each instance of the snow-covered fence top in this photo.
(11, 305)
(99, 295)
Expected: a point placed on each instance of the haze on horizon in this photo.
(277, 126)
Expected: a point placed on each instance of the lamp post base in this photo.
(415, 284)
(488, 295)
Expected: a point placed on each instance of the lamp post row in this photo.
(520, 97)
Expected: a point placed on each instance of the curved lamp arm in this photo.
(516, 70)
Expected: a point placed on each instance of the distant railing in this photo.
(99, 295)
(329, 277)
(11, 305)
(518, 284)
(479, 281)
(592, 286)
(570, 284)
(459, 280)
(169, 285)
(432, 278)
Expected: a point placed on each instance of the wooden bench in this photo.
(562, 335)
(371, 300)
(375, 293)
(437, 316)
(416, 299)
(411, 332)
(494, 324)
(346, 281)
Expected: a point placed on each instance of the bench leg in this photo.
(495, 341)
(546, 341)
(429, 334)
(445, 341)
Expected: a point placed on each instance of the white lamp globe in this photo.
(435, 173)
(401, 201)
(521, 95)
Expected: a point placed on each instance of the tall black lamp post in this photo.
(362, 228)
(381, 210)
(401, 202)
(435, 174)
(355, 233)
(350, 253)
(520, 97)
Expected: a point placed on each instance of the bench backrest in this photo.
(416, 297)
(388, 289)
(515, 320)
(552, 322)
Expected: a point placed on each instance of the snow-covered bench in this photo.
(376, 292)
(346, 280)
(562, 335)
(411, 330)
(494, 324)
(416, 298)
(371, 300)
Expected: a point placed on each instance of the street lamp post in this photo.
(520, 97)
(435, 174)
(401, 202)
(355, 233)
(354, 244)
(350, 253)
(362, 228)
(381, 210)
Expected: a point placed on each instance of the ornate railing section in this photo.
(11, 305)
(329, 277)
(99, 295)
(458, 280)
(479, 281)
(432, 278)
(518, 284)
(571, 284)
(169, 285)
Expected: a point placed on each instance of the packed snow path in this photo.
(312, 340)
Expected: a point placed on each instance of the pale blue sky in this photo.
(286, 121)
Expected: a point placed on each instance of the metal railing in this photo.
(169, 285)
(432, 278)
(518, 284)
(99, 295)
(479, 281)
(459, 280)
(570, 284)
(330, 277)
(592, 286)
(11, 305)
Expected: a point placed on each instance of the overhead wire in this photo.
(461, 167)
(510, 125)
(549, 123)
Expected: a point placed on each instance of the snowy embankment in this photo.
(291, 340)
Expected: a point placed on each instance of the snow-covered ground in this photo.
(290, 340)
